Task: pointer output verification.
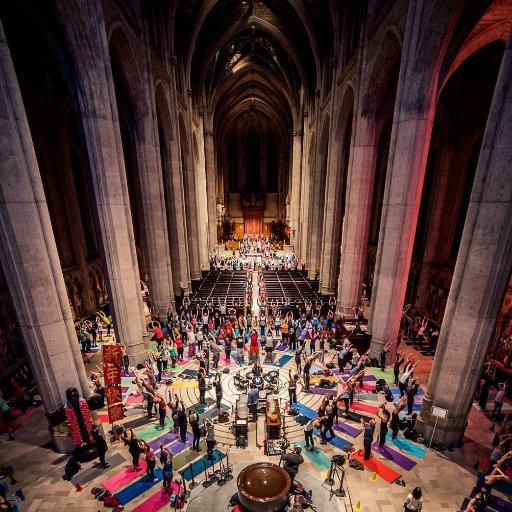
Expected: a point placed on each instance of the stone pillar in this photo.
(295, 186)
(481, 274)
(304, 195)
(202, 196)
(176, 208)
(84, 28)
(152, 194)
(211, 186)
(28, 252)
(358, 205)
(428, 30)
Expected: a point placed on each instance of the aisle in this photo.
(255, 293)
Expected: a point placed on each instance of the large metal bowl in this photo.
(263, 487)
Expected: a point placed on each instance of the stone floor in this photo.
(445, 478)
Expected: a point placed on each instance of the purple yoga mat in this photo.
(282, 347)
(346, 371)
(178, 446)
(164, 439)
(323, 391)
(368, 378)
(394, 456)
(347, 429)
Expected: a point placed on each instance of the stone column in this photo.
(211, 186)
(428, 30)
(295, 186)
(304, 195)
(358, 205)
(28, 252)
(481, 274)
(152, 193)
(84, 28)
(202, 196)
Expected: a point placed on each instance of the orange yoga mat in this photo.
(357, 406)
(385, 472)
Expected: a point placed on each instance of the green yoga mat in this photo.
(388, 375)
(188, 456)
(317, 457)
(153, 430)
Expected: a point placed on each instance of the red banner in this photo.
(115, 413)
(113, 394)
(111, 375)
(112, 354)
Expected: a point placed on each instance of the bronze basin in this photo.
(263, 487)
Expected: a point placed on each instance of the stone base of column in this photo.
(137, 353)
(327, 290)
(448, 432)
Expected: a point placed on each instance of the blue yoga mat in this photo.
(336, 441)
(415, 407)
(199, 465)
(138, 487)
(317, 457)
(407, 446)
(306, 411)
(396, 391)
(283, 360)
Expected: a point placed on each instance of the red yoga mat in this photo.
(103, 418)
(158, 500)
(385, 472)
(134, 400)
(124, 477)
(364, 407)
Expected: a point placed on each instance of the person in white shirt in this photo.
(414, 501)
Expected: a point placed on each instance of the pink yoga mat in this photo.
(368, 388)
(134, 400)
(124, 477)
(223, 360)
(158, 500)
(364, 407)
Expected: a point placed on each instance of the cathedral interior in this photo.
(323, 185)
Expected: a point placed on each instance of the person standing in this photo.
(327, 423)
(167, 470)
(395, 417)
(292, 386)
(498, 401)
(134, 448)
(193, 420)
(210, 437)
(410, 394)
(182, 421)
(396, 367)
(369, 430)
(201, 380)
(414, 501)
(150, 461)
(308, 433)
(101, 445)
(218, 389)
(384, 416)
(404, 379)
(292, 461)
(252, 401)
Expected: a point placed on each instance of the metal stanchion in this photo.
(341, 492)
(193, 484)
(206, 482)
(330, 479)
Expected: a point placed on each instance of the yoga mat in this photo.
(197, 467)
(317, 456)
(394, 456)
(214, 412)
(165, 439)
(159, 500)
(124, 389)
(322, 391)
(354, 416)
(346, 371)
(347, 429)
(187, 456)
(367, 387)
(137, 422)
(315, 379)
(86, 476)
(138, 487)
(369, 378)
(135, 399)
(103, 418)
(126, 381)
(224, 363)
(364, 407)
(396, 391)
(385, 472)
(370, 397)
(388, 375)
(185, 384)
(124, 477)
(282, 347)
(407, 446)
(153, 430)
(336, 441)
(306, 411)
(282, 360)
(190, 372)
(179, 446)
